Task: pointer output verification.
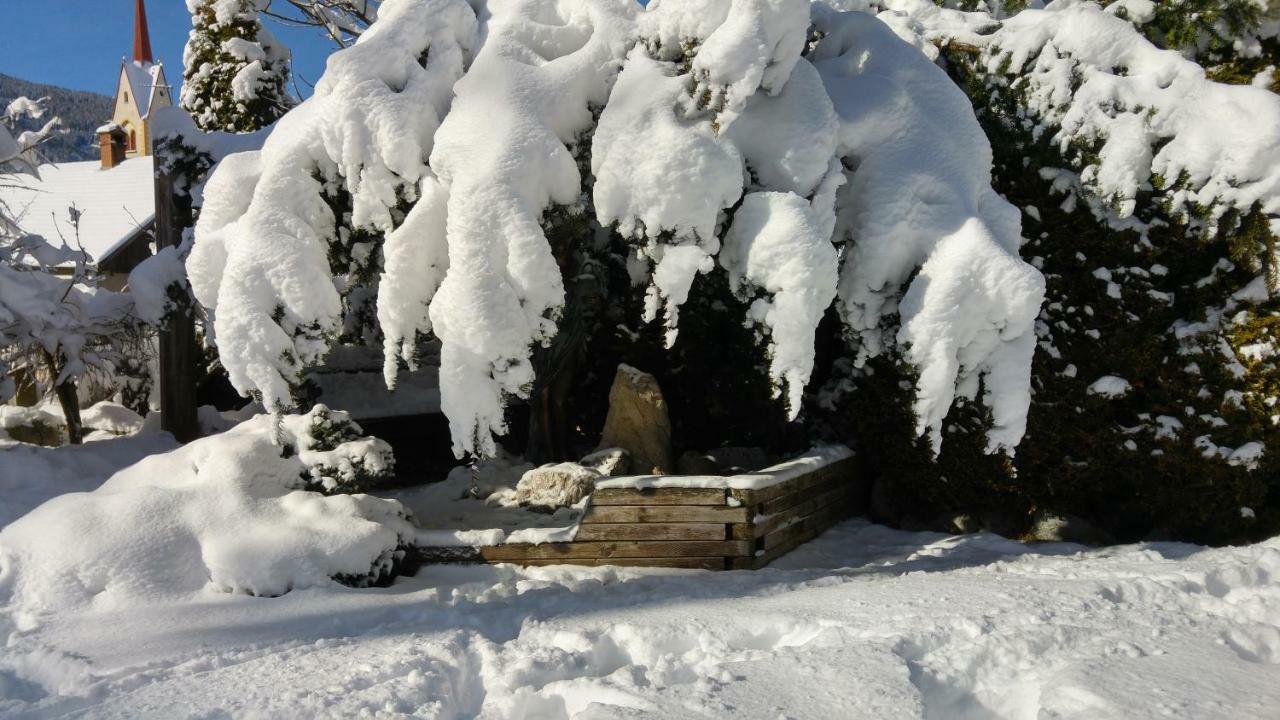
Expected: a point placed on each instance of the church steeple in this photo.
(141, 36)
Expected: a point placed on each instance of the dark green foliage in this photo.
(1154, 309)
(210, 91)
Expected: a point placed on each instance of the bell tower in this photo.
(142, 87)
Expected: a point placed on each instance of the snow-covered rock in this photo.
(556, 485)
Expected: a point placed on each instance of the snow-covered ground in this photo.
(865, 622)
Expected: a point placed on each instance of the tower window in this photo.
(126, 96)
(133, 140)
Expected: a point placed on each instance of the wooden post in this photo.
(178, 350)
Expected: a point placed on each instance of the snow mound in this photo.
(221, 514)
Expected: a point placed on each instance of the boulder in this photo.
(1067, 528)
(609, 462)
(961, 524)
(738, 460)
(638, 422)
(692, 462)
(556, 485)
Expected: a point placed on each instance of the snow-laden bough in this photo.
(812, 154)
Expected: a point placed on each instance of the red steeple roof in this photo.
(141, 37)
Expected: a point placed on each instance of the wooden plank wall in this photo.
(690, 527)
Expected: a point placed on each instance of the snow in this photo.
(699, 103)
(221, 514)
(1110, 386)
(921, 197)
(480, 508)
(31, 475)
(149, 283)
(1248, 455)
(260, 245)
(864, 622)
(114, 205)
(502, 154)
(1152, 112)
(804, 463)
(781, 244)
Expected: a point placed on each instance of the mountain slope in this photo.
(81, 113)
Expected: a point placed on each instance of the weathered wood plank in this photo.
(840, 468)
(807, 528)
(694, 563)
(664, 514)
(651, 531)
(742, 531)
(782, 548)
(800, 497)
(839, 494)
(658, 496)
(618, 549)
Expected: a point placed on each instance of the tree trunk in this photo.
(70, 403)
(67, 398)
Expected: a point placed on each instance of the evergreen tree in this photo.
(236, 72)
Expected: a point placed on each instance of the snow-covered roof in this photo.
(144, 78)
(114, 204)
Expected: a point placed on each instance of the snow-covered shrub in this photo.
(1150, 198)
(337, 455)
(237, 73)
(1237, 41)
(221, 514)
(834, 163)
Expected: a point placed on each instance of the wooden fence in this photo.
(713, 529)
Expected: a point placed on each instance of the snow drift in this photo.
(844, 152)
(223, 513)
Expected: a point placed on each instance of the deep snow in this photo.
(864, 622)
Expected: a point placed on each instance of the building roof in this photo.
(144, 78)
(114, 204)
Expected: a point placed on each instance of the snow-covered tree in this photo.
(236, 72)
(811, 155)
(55, 325)
(341, 20)
(1147, 171)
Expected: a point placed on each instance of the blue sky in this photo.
(78, 43)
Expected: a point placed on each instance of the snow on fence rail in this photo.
(713, 528)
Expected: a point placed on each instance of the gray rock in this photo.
(1047, 527)
(734, 460)
(638, 422)
(962, 524)
(692, 462)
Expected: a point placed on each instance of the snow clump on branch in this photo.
(827, 162)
